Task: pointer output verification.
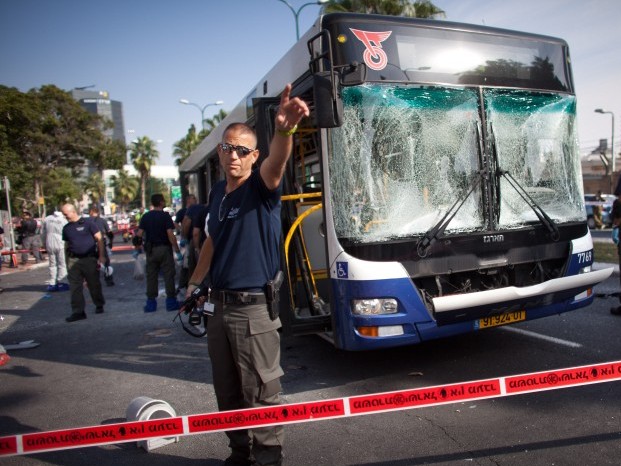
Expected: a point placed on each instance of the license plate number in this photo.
(501, 319)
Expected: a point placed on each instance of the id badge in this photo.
(209, 308)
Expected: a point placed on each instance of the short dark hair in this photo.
(240, 127)
(157, 200)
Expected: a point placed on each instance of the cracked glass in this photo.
(406, 154)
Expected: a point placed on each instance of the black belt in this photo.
(238, 297)
(82, 256)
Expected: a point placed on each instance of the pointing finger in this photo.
(284, 99)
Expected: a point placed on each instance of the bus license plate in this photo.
(502, 319)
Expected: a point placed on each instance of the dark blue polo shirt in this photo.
(101, 224)
(155, 223)
(80, 236)
(190, 213)
(199, 218)
(245, 227)
(180, 214)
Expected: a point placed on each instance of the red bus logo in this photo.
(374, 56)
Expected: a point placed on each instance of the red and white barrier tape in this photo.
(309, 411)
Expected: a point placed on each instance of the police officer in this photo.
(84, 247)
(157, 232)
(185, 272)
(242, 255)
(104, 229)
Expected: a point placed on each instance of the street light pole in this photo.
(612, 144)
(202, 109)
(296, 14)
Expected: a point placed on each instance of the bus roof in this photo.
(296, 62)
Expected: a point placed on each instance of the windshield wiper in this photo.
(423, 245)
(431, 235)
(539, 212)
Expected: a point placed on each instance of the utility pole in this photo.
(7, 188)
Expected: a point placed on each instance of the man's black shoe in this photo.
(74, 317)
(236, 461)
(615, 311)
(99, 310)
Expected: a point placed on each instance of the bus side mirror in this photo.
(328, 105)
(354, 74)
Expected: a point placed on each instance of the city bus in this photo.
(436, 188)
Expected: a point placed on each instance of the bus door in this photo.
(304, 299)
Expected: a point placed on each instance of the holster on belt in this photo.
(272, 295)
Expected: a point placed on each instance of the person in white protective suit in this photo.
(52, 233)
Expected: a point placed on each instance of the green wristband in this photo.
(282, 132)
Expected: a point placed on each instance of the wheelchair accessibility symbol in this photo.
(341, 270)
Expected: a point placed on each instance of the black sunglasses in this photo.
(241, 150)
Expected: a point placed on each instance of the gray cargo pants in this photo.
(244, 348)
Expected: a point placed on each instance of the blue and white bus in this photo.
(436, 188)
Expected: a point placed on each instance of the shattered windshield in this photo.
(406, 154)
(403, 157)
(536, 143)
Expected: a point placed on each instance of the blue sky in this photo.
(148, 54)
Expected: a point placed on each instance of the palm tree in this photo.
(211, 123)
(143, 155)
(416, 9)
(184, 147)
(95, 187)
(426, 9)
(125, 188)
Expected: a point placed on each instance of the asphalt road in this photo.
(86, 373)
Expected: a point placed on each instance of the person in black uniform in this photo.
(83, 248)
(192, 244)
(184, 274)
(31, 240)
(102, 226)
(242, 256)
(157, 234)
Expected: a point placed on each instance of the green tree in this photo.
(126, 187)
(44, 128)
(143, 154)
(416, 9)
(95, 187)
(16, 112)
(20, 179)
(109, 154)
(61, 187)
(184, 147)
(212, 123)
(157, 185)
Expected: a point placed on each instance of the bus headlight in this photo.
(376, 306)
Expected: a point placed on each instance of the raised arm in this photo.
(290, 113)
